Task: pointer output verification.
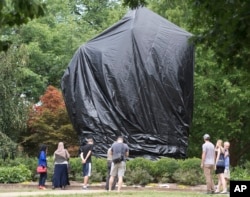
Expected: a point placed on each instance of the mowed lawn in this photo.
(126, 194)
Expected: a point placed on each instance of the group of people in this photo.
(215, 158)
(61, 165)
(61, 157)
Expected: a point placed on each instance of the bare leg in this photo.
(223, 182)
(219, 184)
(120, 180)
(111, 180)
(85, 181)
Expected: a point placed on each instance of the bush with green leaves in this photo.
(189, 172)
(137, 176)
(101, 167)
(164, 169)
(140, 171)
(15, 174)
(240, 172)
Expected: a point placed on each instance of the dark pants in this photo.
(108, 176)
(42, 179)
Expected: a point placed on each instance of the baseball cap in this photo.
(206, 136)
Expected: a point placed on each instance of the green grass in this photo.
(133, 193)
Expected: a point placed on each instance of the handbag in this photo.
(41, 169)
(221, 161)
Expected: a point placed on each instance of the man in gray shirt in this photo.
(118, 148)
(207, 162)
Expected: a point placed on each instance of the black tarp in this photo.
(136, 80)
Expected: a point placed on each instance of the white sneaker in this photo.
(84, 187)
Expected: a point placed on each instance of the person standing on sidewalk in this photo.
(220, 167)
(109, 163)
(207, 162)
(118, 169)
(42, 161)
(61, 157)
(227, 162)
(85, 155)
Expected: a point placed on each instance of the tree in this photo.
(135, 3)
(17, 12)
(221, 107)
(224, 27)
(51, 41)
(13, 106)
(49, 124)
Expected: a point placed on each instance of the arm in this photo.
(217, 156)
(67, 154)
(127, 151)
(87, 156)
(203, 155)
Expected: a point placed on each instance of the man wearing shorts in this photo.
(85, 155)
(118, 169)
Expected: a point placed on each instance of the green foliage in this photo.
(241, 172)
(75, 168)
(13, 107)
(177, 12)
(15, 174)
(221, 107)
(165, 168)
(17, 12)
(189, 172)
(134, 3)
(137, 176)
(100, 166)
(139, 171)
(224, 28)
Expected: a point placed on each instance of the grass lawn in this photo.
(132, 193)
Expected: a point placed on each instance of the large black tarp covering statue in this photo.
(136, 80)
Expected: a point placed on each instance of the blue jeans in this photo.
(42, 179)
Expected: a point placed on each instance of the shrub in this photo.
(240, 173)
(137, 176)
(15, 174)
(141, 163)
(99, 165)
(189, 172)
(164, 169)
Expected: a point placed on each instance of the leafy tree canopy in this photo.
(49, 124)
(223, 26)
(17, 12)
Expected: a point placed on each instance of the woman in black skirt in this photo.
(61, 158)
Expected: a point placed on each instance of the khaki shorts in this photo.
(118, 169)
(227, 174)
